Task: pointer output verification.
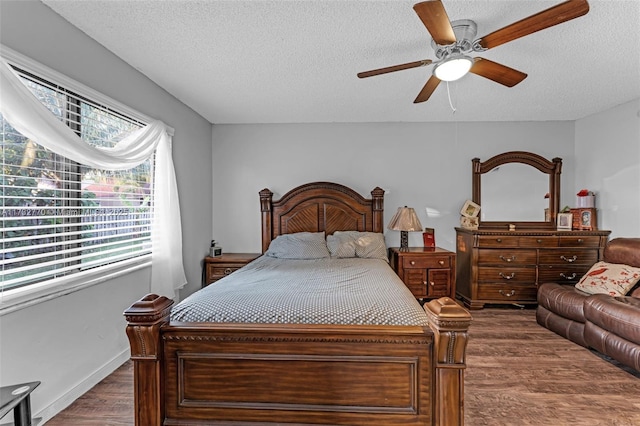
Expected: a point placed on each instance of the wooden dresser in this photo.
(506, 267)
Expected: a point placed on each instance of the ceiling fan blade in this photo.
(555, 15)
(434, 17)
(497, 72)
(428, 89)
(394, 68)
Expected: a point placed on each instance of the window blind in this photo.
(61, 217)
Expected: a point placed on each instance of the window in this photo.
(60, 217)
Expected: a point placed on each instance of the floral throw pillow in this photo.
(614, 279)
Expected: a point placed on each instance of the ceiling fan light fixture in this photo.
(453, 68)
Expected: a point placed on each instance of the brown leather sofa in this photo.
(610, 325)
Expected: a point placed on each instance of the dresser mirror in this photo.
(511, 187)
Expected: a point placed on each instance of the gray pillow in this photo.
(341, 245)
(300, 245)
(369, 245)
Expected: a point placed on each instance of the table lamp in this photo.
(405, 220)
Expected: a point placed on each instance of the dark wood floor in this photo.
(518, 374)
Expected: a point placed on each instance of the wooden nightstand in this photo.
(428, 272)
(220, 266)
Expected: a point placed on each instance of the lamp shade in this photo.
(405, 219)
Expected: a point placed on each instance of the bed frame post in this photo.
(450, 324)
(266, 198)
(377, 196)
(145, 317)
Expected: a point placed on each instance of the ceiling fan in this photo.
(454, 41)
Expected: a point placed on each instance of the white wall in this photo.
(607, 151)
(71, 342)
(418, 164)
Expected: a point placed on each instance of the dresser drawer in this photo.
(562, 274)
(568, 257)
(575, 241)
(507, 256)
(422, 262)
(507, 292)
(497, 241)
(506, 274)
(540, 242)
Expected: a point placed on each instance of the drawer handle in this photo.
(580, 241)
(431, 283)
(441, 262)
(539, 241)
(507, 277)
(570, 260)
(228, 271)
(568, 277)
(413, 262)
(499, 240)
(508, 259)
(509, 294)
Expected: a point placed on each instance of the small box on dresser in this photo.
(429, 272)
(506, 267)
(219, 267)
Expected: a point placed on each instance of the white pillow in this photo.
(614, 279)
(300, 245)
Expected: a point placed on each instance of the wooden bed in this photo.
(258, 374)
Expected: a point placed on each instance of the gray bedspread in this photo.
(320, 291)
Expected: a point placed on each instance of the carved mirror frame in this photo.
(552, 168)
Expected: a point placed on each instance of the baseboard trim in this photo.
(83, 387)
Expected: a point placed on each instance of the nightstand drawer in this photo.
(219, 267)
(411, 262)
(219, 271)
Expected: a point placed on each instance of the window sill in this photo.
(24, 297)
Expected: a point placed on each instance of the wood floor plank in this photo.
(518, 374)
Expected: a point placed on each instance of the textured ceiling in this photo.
(296, 61)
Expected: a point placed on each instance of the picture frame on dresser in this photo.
(565, 221)
(584, 219)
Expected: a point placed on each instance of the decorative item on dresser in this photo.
(506, 267)
(428, 272)
(220, 266)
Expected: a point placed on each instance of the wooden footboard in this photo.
(210, 373)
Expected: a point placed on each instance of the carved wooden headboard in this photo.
(317, 207)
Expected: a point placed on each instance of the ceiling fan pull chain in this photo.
(450, 103)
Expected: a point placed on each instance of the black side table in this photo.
(17, 397)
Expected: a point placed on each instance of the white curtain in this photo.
(31, 118)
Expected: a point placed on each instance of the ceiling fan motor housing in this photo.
(465, 31)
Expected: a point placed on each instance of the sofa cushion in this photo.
(563, 300)
(567, 328)
(609, 278)
(623, 250)
(619, 315)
